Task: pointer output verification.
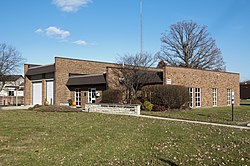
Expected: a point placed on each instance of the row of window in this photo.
(195, 97)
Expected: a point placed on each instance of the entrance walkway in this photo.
(197, 122)
(16, 107)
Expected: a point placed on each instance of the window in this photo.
(191, 101)
(198, 97)
(11, 93)
(214, 96)
(78, 97)
(229, 97)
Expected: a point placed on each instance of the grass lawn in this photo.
(245, 102)
(218, 115)
(64, 138)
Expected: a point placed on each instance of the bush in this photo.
(169, 96)
(136, 101)
(111, 96)
(159, 108)
(147, 106)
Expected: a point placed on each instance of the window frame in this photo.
(197, 97)
(214, 97)
(229, 97)
(78, 97)
(191, 94)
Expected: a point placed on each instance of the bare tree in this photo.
(10, 61)
(133, 72)
(190, 45)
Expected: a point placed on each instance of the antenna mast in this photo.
(141, 16)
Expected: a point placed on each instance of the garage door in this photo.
(50, 92)
(37, 93)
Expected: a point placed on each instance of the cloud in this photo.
(80, 42)
(61, 35)
(39, 30)
(55, 32)
(71, 5)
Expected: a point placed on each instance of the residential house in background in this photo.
(12, 91)
(245, 90)
(84, 81)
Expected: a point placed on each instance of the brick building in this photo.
(245, 90)
(84, 81)
(206, 88)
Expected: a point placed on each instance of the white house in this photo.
(12, 91)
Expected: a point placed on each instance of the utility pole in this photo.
(141, 17)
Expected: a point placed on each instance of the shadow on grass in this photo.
(166, 161)
(203, 115)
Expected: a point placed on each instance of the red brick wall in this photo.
(27, 87)
(64, 66)
(206, 80)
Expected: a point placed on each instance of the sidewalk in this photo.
(16, 107)
(197, 122)
(182, 120)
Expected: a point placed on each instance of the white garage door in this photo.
(37, 93)
(50, 92)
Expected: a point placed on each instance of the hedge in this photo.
(111, 96)
(169, 96)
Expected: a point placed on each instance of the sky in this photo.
(102, 30)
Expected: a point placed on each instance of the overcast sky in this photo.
(103, 29)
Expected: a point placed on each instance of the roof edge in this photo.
(152, 68)
(202, 69)
(41, 66)
(85, 60)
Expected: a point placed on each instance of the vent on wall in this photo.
(168, 81)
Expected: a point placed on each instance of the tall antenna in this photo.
(141, 16)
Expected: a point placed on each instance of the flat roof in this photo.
(200, 69)
(86, 60)
(246, 83)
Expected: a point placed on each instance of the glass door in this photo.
(92, 95)
(78, 97)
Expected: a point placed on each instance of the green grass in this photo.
(59, 138)
(217, 115)
(245, 102)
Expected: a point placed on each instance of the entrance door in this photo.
(92, 95)
(78, 97)
(37, 93)
(50, 92)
